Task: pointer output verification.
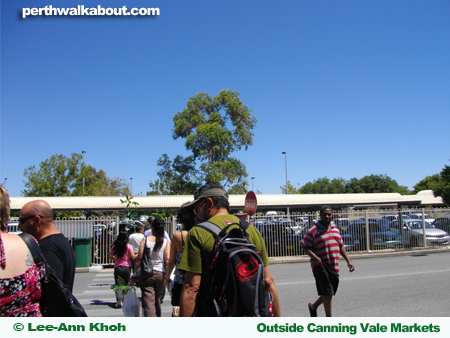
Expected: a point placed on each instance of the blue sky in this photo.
(346, 88)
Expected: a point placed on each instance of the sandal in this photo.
(312, 313)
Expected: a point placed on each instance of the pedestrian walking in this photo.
(323, 244)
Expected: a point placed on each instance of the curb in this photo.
(94, 268)
(289, 260)
(366, 255)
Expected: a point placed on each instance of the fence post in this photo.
(366, 216)
(424, 237)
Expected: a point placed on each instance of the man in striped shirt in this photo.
(323, 243)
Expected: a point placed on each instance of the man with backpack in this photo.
(210, 243)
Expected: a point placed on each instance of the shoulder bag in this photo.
(145, 270)
(56, 299)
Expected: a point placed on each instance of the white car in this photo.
(418, 216)
(413, 233)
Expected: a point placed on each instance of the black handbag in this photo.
(56, 299)
(145, 270)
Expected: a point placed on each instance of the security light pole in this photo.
(287, 185)
(83, 152)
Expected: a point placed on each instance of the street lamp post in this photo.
(83, 152)
(4, 183)
(253, 185)
(287, 185)
(285, 158)
(131, 183)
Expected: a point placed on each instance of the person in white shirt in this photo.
(135, 241)
(152, 287)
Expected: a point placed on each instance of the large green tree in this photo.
(291, 189)
(443, 190)
(367, 184)
(63, 176)
(56, 176)
(324, 186)
(213, 128)
(179, 176)
(428, 183)
(381, 184)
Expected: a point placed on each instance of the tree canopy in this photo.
(175, 177)
(428, 183)
(214, 128)
(443, 189)
(367, 184)
(63, 176)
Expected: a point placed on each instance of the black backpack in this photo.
(237, 284)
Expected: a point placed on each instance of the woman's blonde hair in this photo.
(4, 208)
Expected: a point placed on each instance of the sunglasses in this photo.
(22, 220)
(198, 205)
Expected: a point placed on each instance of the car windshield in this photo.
(418, 225)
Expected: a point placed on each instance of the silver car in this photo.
(413, 233)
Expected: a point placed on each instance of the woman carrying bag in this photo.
(122, 254)
(152, 287)
(186, 218)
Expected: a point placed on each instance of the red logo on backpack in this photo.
(246, 269)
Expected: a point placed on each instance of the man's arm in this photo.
(188, 299)
(344, 254)
(314, 257)
(272, 288)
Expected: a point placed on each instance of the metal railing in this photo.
(101, 233)
(362, 231)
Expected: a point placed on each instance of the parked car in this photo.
(391, 218)
(413, 233)
(259, 224)
(442, 223)
(416, 215)
(380, 237)
(343, 223)
(13, 225)
(281, 239)
(143, 218)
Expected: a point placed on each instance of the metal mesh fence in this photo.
(101, 233)
(362, 230)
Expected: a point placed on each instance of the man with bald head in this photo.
(36, 219)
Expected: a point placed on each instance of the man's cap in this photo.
(207, 190)
(240, 213)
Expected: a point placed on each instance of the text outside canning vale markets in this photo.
(80, 10)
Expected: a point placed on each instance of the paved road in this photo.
(93, 290)
(415, 285)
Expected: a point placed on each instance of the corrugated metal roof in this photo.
(236, 201)
(425, 197)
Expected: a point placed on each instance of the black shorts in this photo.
(326, 282)
(176, 293)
